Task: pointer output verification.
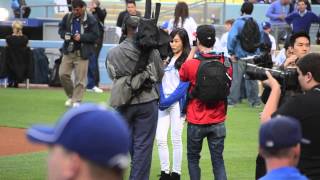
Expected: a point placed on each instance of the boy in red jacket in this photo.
(205, 120)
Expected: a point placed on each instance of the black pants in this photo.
(261, 169)
(142, 120)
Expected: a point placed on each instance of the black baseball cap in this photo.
(206, 35)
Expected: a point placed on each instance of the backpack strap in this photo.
(69, 22)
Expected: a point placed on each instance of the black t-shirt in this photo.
(306, 108)
(122, 15)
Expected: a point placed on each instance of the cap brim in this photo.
(41, 134)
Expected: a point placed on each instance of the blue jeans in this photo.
(93, 72)
(142, 120)
(215, 135)
(251, 86)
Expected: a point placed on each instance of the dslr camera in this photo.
(69, 42)
(257, 66)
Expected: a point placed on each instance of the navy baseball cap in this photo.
(266, 25)
(280, 132)
(95, 133)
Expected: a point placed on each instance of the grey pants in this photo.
(71, 62)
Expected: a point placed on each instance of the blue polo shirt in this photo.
(76, 29)
(284, 173)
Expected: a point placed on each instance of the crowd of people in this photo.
(201, 77)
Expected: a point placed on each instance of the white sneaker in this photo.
(68, 102)
(76, 104)
(97, 90)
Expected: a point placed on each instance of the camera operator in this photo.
(141, 110)
(304, 107)
(300, 46)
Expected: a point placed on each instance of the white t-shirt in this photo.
(224, 42)
(273, 47)
(281, 57)
(217, 46)
(189, 25)
(170, 80)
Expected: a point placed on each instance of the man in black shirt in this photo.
(131, 9)
(305, 108)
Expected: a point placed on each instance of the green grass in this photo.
(21, 108)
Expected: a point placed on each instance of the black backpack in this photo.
(250, 35)
(54, 79)
(213, 82)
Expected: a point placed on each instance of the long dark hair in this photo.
(182, 33)
(181, 11)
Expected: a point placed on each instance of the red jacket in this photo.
(198, 112)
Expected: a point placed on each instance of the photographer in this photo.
(80, 31)
(304, 107)
(300, 46)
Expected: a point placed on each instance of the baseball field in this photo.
(20, 108)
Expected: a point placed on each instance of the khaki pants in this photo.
(71, 62)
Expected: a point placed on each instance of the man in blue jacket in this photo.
(237, 52)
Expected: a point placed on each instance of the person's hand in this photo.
(290, 61)
(233, 58)
(76, 37)
(282, 17)
(271, 81)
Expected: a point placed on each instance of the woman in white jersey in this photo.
(170, 106)
(183, 20)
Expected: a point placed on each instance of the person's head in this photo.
(279, 139)
(78, 7)
(228, 24)
(309, 71)
(180, 45)
(285, 2)
(181, 12)
(130, 24)
(300, 43)
(246, 8)
(266, 27)
(131, 7)
(93, 4)
(89, 141)
(301, 5)
(206, 36)
(288, 48)
(17, 27)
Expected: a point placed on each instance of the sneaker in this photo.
(76, 104)
(256, 105)
(95, 89)
(231, 105)
(68, 103)
(175, 176)
(164, 176)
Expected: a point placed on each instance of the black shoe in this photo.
(164, 176)
(175, 176)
